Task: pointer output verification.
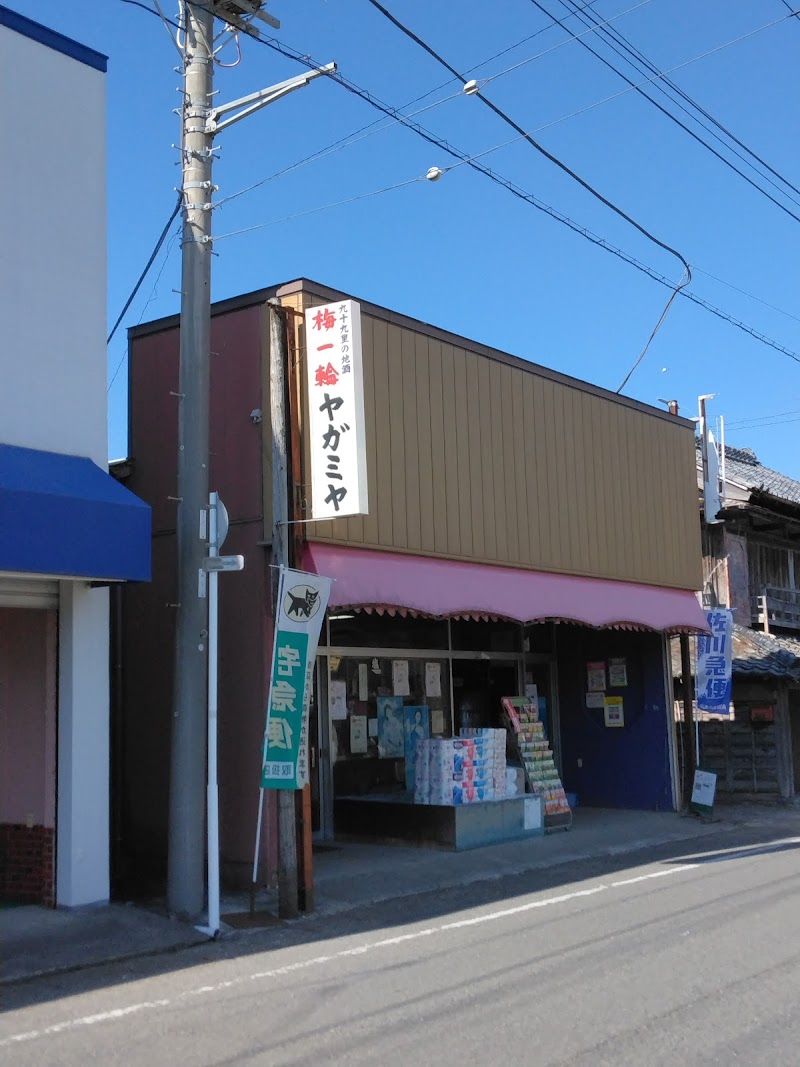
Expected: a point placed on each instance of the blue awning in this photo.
(64, 515)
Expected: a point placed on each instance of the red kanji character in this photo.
(326, 375)
(324, 319)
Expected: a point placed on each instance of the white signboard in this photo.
(336, 410)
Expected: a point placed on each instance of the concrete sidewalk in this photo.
(37, 941)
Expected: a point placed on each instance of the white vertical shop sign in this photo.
(336, 410)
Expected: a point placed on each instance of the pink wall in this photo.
(27, 716)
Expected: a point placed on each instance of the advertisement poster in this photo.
(358, 735)
(400, 677)
(595, 700)
(338, 700)
(614, 713)
(433, 679)
(417, 728)
(302, 601)
(617, 673)
(596, 676)
(391, 727)
(714, 662)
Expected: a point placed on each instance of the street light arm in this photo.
(255, 101)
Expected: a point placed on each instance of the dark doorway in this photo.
(478, 686)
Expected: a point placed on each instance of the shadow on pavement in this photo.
(708, 844)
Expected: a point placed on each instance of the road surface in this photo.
(657, 958)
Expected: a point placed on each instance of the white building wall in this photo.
(54, 381)
(53, 263)
(82, 849)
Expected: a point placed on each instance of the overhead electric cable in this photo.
(531, 141)
(612, 32)
(669, 115)
(656, 328)
(162, 237)
(351, 87)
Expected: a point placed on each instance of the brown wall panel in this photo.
(471, 457)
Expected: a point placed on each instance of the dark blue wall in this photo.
(623, 767)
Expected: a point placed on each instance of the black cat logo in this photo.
(302, 602)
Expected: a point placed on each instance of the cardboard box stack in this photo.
(537, 758)
(460, 770)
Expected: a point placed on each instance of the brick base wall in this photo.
(27, 872)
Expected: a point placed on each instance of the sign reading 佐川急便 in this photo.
(302, 601)
(336, 410)
(714, 663)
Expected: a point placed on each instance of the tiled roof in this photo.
(742, 466)
(756, 654)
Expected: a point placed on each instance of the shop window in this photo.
(378, 705)
(361, 629)
(469, 636)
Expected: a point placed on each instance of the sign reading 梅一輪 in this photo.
(336, 410)
(714, 663)
(302, 601)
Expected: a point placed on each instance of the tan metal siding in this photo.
(472, 458)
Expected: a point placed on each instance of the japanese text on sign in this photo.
(714, 661)
(302, 600)
(336, 410)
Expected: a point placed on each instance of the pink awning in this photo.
(369, 579)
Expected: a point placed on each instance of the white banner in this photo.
(336, 410)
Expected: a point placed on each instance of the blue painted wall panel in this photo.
(625, 767)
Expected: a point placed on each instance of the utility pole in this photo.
(278, 359)
(200, 124)
(188, 755)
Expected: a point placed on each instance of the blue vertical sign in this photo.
(714, 661)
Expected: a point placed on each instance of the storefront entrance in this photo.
(375, 670)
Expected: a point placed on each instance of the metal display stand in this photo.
(541, 777)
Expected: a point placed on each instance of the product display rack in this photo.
(536, 756)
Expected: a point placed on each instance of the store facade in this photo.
(522, 528)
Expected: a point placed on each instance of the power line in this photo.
(521, 194)
(660, 77)
(750, 296)
(162, 237)
(322, 207)
(531, 141)
(632, 50)
(656, 328)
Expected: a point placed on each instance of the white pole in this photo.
(212, 788)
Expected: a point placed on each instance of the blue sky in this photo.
(462, 252)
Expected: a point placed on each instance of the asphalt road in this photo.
(655, 959)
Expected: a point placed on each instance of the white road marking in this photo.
(317, 961)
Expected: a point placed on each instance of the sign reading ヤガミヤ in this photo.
(302, 601)
(336, 410)
(714, 662)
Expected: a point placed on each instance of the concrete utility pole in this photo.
(188, 755)
(200, 123)
(278, 361)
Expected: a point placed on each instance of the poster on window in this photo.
(617, 673)
(391, 727)
(714, 663)
(417, 728)
(336, 410)
(613, 711)
(596, 676)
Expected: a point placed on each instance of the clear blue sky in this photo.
(463, 253)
